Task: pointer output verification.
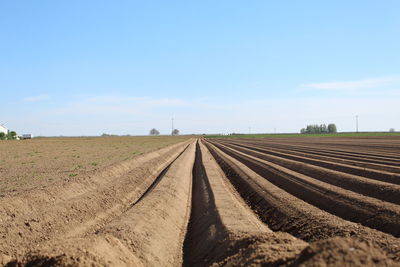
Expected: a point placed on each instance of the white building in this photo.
(3, 129)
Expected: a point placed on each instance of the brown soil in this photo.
(345, 203)
(293, 208)
(222, 227)
(81, 207)
(387, 192)
(342, 252)
(210, 203)
(38, 163)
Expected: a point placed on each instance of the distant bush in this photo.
(12, 135)
(108, 135)
(392, 130)
(319, 129)
(154, 132)
(332, 128)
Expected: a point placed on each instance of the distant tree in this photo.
(154, 132)
(392, 130)
(316, 129)
(310, 129)
(323, 129)
(109, 135)
(175, 132)
(313, 129)
(2, 136)
(12, 135)
(332, 128)
(319, 129)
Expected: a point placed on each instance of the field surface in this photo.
(290, 135)
(202, 202)
(39, 162)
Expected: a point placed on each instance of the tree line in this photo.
(319, 129)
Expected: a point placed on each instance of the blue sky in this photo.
(124, 67)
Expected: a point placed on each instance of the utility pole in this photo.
(357, 123)
(172, 132)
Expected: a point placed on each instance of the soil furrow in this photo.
(306, 146)
(380, 190)
(317, 148)
(385, 165)
(223, 229)
(346, 204)
(201, 203)
(284, 212)
(22, 229)
(148, 234)
(359, 151)
(356, 157)
(380, 175)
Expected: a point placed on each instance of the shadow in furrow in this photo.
(205, 226)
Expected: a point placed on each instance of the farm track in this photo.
(205, 203)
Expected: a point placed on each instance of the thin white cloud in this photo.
(145, 101)
(121, 116)
(120, 104)
(353, 85)
(37, 98)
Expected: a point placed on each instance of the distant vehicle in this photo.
(26, 136)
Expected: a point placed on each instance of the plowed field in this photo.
(216, 202)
